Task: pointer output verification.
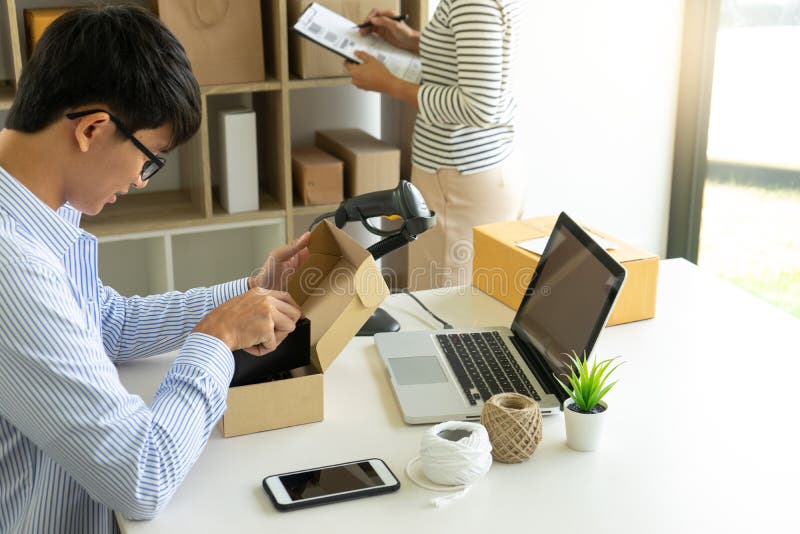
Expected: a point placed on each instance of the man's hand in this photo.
(371, 75)
(256, 321)
(280, 265)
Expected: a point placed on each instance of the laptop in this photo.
(445, 375)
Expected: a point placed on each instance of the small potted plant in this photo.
(584, 410)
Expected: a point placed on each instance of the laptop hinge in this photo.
(533, 359)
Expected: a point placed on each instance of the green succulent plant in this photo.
(588, 381)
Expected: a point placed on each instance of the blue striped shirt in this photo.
(74, 444)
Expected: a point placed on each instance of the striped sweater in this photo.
(466, 107)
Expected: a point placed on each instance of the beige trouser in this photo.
(442, 256)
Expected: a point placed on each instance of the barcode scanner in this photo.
(404, 202)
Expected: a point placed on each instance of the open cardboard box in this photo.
(338, 288)
(503, 270)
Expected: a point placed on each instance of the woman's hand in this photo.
(397, 33)
(371, 75)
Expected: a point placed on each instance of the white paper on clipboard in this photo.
(537, 245)
(340, 35)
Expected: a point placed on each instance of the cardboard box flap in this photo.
(368, 282)
(624, 252)
(337, 288)
(326, 307)
(370, 285)
(333, 341)
(303, 284)
(514, 232)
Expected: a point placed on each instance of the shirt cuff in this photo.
(224, 292)
(209, 354)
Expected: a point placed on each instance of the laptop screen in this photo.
(569, 298)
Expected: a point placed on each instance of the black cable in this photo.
(320, 219)
(445, 324)
(385, 246)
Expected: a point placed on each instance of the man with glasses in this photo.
(153, 164)
(105, 92)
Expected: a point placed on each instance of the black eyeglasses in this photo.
(155, 162)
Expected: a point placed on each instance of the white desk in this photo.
(685, 449)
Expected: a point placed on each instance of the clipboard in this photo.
(340, 35)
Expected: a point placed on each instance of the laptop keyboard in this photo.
(484, 366)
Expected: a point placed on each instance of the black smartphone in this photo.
(322, 485)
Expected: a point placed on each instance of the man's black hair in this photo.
(120, 56)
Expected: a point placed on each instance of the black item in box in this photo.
(293, 352)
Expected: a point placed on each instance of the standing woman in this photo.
(464, 128)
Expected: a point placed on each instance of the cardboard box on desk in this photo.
(338, 288)
(503, 270)
(369, 163)
(308, 60)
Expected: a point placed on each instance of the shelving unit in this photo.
(6, 96)
(297, 83)
(182, 234)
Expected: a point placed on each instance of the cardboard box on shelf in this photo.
(369, 164)
(503, 269)
(238, 162)
(338, 288)
(318, 177)
(223, 39)
(37, 21)
(309, 60)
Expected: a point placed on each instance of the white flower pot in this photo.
(583, 429)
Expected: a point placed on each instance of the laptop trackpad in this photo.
(417, 370)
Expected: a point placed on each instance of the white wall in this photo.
(333, 107)
(598, 97)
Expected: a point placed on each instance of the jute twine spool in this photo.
(514, 423)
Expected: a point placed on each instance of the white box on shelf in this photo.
(238, 160)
